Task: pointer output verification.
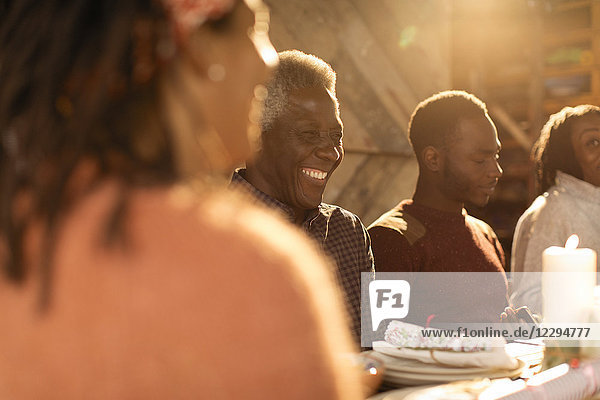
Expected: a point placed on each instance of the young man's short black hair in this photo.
(436, 118)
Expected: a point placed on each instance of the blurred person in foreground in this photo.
(301, 146)
(567, 166)
(119, 280)
(457, 147)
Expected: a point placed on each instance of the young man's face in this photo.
(303, 148)
(471, 170)
(585, 138)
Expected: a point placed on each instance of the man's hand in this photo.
(521, 315)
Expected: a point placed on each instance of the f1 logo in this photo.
(389, 299)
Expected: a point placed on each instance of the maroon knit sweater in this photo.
(415, 238)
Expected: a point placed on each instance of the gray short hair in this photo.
(297, 70)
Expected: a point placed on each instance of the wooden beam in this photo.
(552, 106)
(382, 153)
(570, 70)
(416, 37)
(371, 60)
(511, 126)
(572, 5)
(575, 36)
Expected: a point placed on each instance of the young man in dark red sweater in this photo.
(457, 147)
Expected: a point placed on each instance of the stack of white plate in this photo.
(403, 371)
(418, 374)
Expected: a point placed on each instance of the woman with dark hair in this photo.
(126, 271)
(567, 162)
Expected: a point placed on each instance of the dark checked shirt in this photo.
(340, 234)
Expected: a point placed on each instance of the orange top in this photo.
(200, 303)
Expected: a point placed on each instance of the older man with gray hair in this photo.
(301, 147)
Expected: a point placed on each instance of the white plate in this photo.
(407, 365)
(496, 357)
(398, 394)
(407, 378)
(466, 390)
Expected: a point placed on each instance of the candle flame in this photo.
(572, 242)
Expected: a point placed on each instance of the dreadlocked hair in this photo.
(553, 151)
(77, 78)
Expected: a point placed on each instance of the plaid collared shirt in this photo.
(341, 235)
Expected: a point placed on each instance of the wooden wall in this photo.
(389, 55)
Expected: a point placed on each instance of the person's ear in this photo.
(267, 144)
(432, 158)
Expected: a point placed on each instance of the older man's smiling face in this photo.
(303, 148)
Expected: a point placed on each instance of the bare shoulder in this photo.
(229, 226)
(202, 286)
(175, 228)
(266, 277)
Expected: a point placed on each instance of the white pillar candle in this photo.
(568, 280)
